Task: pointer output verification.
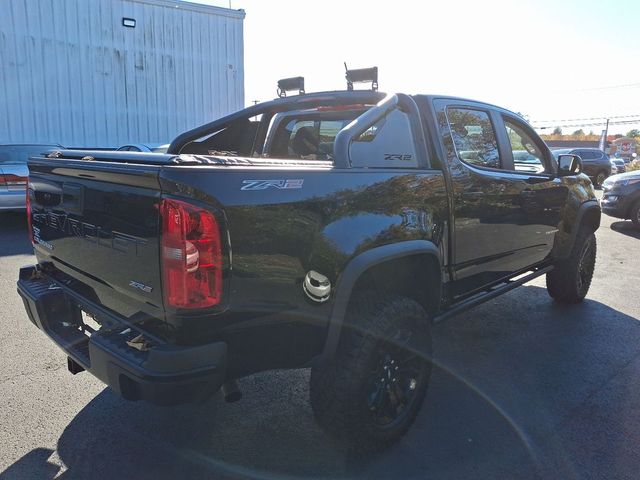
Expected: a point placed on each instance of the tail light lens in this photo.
(191, 256)
(14, 181)
(28, 203)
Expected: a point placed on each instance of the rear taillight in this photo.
(15, 180)
(28, 203)
(191, 256)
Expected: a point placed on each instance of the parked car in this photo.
(618, 165)
(14, 173)
(144, 147)
(356, 221)
(526, 162)
(621, 196)
(595, 163)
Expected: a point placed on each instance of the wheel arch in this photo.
(410, 264)
(632, 202)
(589, 215)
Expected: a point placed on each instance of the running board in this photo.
(489, 294)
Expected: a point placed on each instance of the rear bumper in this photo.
(165, 374)
(13, 200)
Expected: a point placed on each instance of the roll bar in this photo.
(360, 125)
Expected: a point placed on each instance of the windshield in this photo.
(305, 137)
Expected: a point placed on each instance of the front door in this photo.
(535, 188)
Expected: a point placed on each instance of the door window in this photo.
(474, 137)
(527, 155)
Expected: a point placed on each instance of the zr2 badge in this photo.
(290, 184)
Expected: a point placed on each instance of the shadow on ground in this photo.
(626, 228)
(15, 239)
(522, 391)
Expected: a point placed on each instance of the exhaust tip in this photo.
(231, 391)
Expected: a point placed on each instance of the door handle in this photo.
(535, 180)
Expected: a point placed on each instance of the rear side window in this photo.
(306, 139)
(474, 137)
(389, 143)
(587, 154)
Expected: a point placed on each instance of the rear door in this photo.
(589, 162)
(484, 220)
(501, 214)
(99, 222)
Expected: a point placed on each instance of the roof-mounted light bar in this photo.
(289, 84)
(362, 75)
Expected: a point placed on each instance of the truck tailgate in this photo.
(99, 222)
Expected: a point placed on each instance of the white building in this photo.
(102, 73)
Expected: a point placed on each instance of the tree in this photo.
(634, 132)
(557, 131)
(578, 132)
(591, 132)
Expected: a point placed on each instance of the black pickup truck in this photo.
(327, 230)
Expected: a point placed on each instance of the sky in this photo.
(550, 60)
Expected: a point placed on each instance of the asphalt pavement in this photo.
(524, 388)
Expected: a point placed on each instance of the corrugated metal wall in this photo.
(71, 73)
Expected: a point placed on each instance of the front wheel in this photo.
(635, 214)
(371, 392)
(570, 280)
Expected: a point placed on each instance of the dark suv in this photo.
(621, 197)
(595, 163)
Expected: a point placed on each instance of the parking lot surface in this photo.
(524, 388)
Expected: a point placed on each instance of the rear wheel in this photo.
(371, 392)
(569, 281)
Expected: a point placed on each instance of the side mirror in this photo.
(569, 164)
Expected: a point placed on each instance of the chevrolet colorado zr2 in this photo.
(325, 230)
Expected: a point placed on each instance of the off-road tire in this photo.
(340, 390)
(635, 214)
(569, 281)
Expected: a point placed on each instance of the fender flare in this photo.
(353, 271)
(564, 249)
